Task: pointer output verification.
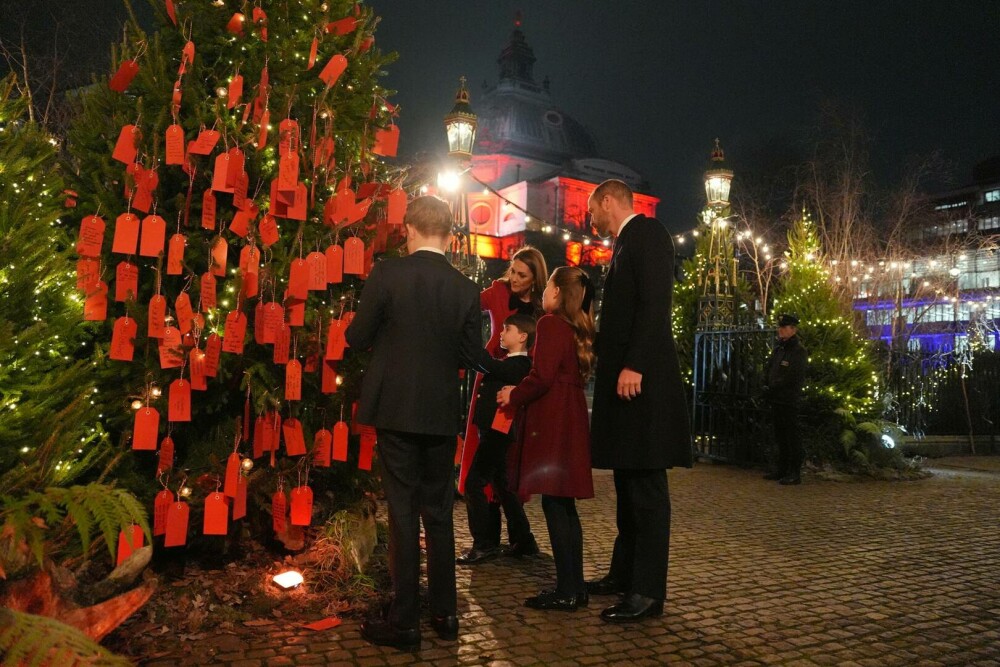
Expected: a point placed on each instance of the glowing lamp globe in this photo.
(288, 579)
(718, 179)
(460, 125)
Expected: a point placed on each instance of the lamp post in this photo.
(460, 127)
(716, 305)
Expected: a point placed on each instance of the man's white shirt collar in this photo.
(517, 354)
(621, 227)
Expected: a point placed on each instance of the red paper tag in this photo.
(123, 77)
(396, 209)
(333, 69)
(368, 439)
(234, 168)
(279, 511)
(144, 432)
(240, 224)
(213, 350)
(129, 542)
(240, 501)
(317, 271)
(302, 501)
(177, 524)
(154, 235)
(126, 281)
(157, 316)
(166, 459)
(234, 332)
(179, 401)
(295, 441)
(235, 25)
(125, 150)
(240, 185)
(87, 272)
(232, 475)
(335, 340)
(265, 118)
(288, 137)
(293, 384)
(268, 230)
(126, 234)
(502, 420)
(298, 279)
(312, 53)
(343, 26)
(250, 259)
(340, 437)
(325, 624)
(205, 143)
(334, 264)
(282, 343)
(171, 354)
(322, 448)
(221, 173)
(207, 291)
(329, 377)
(196, 361)
(91, 236)
(258, 323)
(175, 144)
(171, 14)
(220, 255)
(123, 339)
(161, 505)
(295, 311)
(175, 254)
(288, 172)
(216, 515)
(386, 141)
(235, 91)
(297, 210)
(208, 210)
(354, 256)
(273, 316)
(185, 313)
(145, 184)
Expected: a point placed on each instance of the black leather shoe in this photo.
(605, 586)
(634, 607)
(552, 601)
(528, 548)
(446, 627)
(773, 476)
(474, 555)
(791, 479)
(383, 634)
(581, 600)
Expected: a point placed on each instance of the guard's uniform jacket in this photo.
(786, 372)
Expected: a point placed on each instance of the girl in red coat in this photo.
(554, 456)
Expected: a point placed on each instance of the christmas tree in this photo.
(231, 201)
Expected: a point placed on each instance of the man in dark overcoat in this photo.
(786, 375)
(639, 425)
(421, 319)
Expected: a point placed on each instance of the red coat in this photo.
(553, 453)
(495, 300)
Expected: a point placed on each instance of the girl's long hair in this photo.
(536, 264)
(576, 307)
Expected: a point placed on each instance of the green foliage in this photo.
(38, 641)
(44, 518)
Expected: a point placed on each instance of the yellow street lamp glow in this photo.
(449, 181)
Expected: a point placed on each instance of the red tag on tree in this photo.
(334, 264)
(157, 316)
(234, 168)
(232, 475)
(179, 401)
(297, 210)
(208, 210)
(288, 137)
(322, 448)
(240, 186)
(129, 542)
(333, 69)
(234, 333)
(273, 318)
(335, 340)
(175, 254)
(293, 384)
(343, 26)
(240, 501)
(268, 230)
(123, 339)
(265, 118)
(288, 172)
(126, 281)
(207, 291)
(216, 520)
(161, 505)
(166, 460)
(302, 502)
(317, 271)
(87, 272)
(250, 259)
(205, 143)
(196, 360)
(354, 256)
(386, 141)
(213, 350)
(396, 209)
(282, 343)
(221, 173)
(313, 48)
(295, 311)
(91, 236)
(175, 144)
(220, 255)
(240, 224)
(185, 313)
(154, 235)
(177, 524)
(235, 91)
(329, 377)
(123, 77)
(279, 511)
(340, 437)
(295, 441)
(258, 323)
(172, 15)
(368, 439)
(171, 354)
(298, 279)
(146, 428)
(126, 234)
(125, 150)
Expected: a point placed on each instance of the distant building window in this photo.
(992, 195)
(991, 222)
(955, 204)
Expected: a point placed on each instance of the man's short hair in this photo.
(616, 189)
(525, 324)
(429, 215)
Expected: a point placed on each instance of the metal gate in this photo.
(730, 420)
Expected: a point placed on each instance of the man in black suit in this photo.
(786, 375)
(639, 424)
(421, 319)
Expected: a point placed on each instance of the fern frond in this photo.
(38, 640)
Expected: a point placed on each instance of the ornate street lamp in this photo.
(718, 180)
(716, 304)
(460, 125)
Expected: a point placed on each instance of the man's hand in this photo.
(503, 396)
(629, 384)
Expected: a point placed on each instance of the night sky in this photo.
(656, 81)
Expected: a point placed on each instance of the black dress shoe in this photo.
(605, 586)
(634, 607)
(446, 627)
(773, 476)
(474, 555)
(791, 479)
(528, 548)
(582, 600)
(552, 601)
(383, 633)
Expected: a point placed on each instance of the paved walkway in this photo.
(867, 573)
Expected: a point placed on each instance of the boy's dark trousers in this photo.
(489, 466)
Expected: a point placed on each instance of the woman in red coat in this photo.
(554, 454)
(519, 291)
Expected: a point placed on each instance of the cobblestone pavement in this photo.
(827, 573)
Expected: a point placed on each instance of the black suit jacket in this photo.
(498, 374)
(651, 430)
(421, 319)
